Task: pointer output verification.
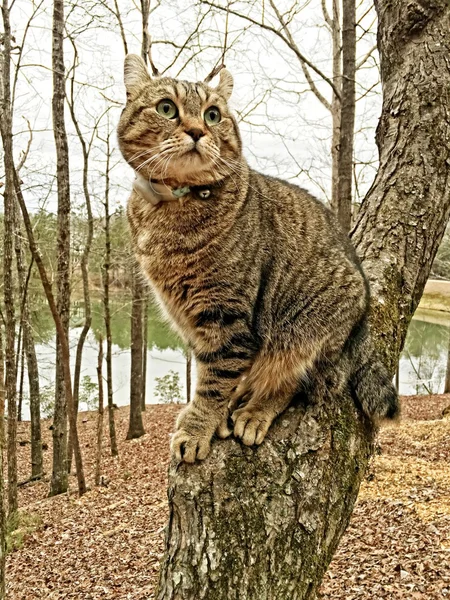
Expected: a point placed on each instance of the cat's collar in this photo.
(156, 192)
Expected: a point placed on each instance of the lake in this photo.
(422, 364)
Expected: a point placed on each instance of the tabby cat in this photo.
(253, 271)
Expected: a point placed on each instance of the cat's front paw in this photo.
(195, 428)
(251, 424)
(189, 446)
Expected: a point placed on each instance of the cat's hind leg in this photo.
(267, 391)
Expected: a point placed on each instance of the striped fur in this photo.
(258, 279)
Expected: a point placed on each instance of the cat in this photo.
(253, 271)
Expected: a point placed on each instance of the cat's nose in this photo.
(195, 134)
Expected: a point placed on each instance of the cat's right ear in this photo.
(135, 73)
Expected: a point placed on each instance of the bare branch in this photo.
(291, 45)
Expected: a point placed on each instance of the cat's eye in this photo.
(212, 115)
(166, 108)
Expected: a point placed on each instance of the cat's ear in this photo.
(135, 73)
(225, 86)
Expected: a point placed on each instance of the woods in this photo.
(248, 523)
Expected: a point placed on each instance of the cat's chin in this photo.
(189, 169)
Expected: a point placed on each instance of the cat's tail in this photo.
(370, 381)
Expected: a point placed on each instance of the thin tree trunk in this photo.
(347, 116)
(30, 351)
(2, 488)
(447, 372)
(64, 341)
(188, 374)
(106, 307)
(59, 480)
(84, 260)
(144, 350)
(8, 249)
(136, 426)
(336, 105)
(263, 523)
(21, 378)
(98, 458)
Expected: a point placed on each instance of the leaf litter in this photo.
(108, 543)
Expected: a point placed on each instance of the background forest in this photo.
(79, 329)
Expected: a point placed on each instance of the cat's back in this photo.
(294, 216)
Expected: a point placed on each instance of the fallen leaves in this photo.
(108, 543)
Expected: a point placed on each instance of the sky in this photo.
(286, 131)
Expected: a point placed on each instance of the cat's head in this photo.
(176, 131)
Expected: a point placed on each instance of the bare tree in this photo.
(23, 277)
(86, 149)
(2, 490)
(264, 523)
(98, 457)
(136, 425)
(106, 305)
(8, 249)
(144, 349)
(59, 480)
(276, 21)
(188, 374)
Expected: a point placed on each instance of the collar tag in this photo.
(180, 192)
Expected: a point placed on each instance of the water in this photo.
(165, 354)
(422, 364)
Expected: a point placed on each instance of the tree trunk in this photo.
(21, 377)
(2, 479)
(106, 307)
(188, 374)
(336, 105)
(347, 116)
(98, 458)
(136, 426)
(59, 480)
(447, 372)
(263, 523)
(30, 351)
(144, 350)
(8, 249)
(84, 262)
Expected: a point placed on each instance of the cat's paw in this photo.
(251, 424)
(189, 447)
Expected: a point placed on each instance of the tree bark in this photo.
(263, 523)
(59, 480)
(98, 458)
(136, 426)
(347, 115)
(144, 350)
(2, 479)
(447, 371)
(188, 374)
(106, 307)
(8, 249)
(336, 104)
(84, 258)
(30, 351)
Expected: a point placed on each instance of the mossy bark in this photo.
(263, 523)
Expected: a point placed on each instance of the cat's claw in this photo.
(188, 447)
(251, 424)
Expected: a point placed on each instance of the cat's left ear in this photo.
(225, 87)
(135, 73)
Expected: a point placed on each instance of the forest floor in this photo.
(107, 544)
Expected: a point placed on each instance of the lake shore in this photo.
(436, 295)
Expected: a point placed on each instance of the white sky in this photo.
(286, 131)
